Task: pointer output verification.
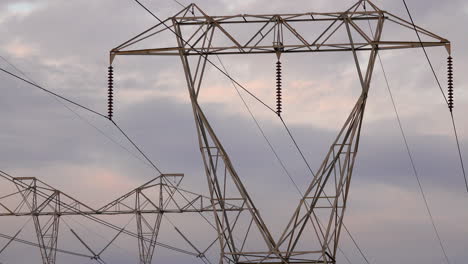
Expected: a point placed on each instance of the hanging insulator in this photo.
(110, 101)
(450, 83)
(278, 88)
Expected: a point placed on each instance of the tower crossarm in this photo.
(33, 197)
(17, 202)
(235, 34)
(174, 199)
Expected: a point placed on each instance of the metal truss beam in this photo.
(148, 202)
(260, 41)
(182, 201)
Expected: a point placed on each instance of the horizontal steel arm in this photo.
(233, 50)
(182, 201)
(264, 39)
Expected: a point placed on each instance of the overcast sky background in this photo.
(64, 45)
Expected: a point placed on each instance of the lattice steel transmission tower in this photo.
(199, 37)
(31, 197)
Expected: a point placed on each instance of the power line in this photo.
(459, 151)
(443, 94)
(53, 93)
(136, 146)
(425, 52)
(87, 109)
(415, 172)
(297, 146)
(37, 245)
(103, 237)
(15, 236)
(95, 256)
(410, 156)
(77, 114)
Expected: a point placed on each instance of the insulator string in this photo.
(450, 82)
(278, 88)
(110, 99)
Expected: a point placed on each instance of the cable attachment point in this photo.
(278, 88)
(450, 82)
(110, 90)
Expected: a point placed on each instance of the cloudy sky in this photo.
(64, 46)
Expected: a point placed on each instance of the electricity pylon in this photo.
(319, 214)
(31, 197)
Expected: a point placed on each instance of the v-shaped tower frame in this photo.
(319, 213)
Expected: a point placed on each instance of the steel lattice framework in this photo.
(322, 206)
(242, 232)
(157, 197)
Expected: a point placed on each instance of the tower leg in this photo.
(147, 237)
(46, 226)
(224, 183)
(323, 204)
